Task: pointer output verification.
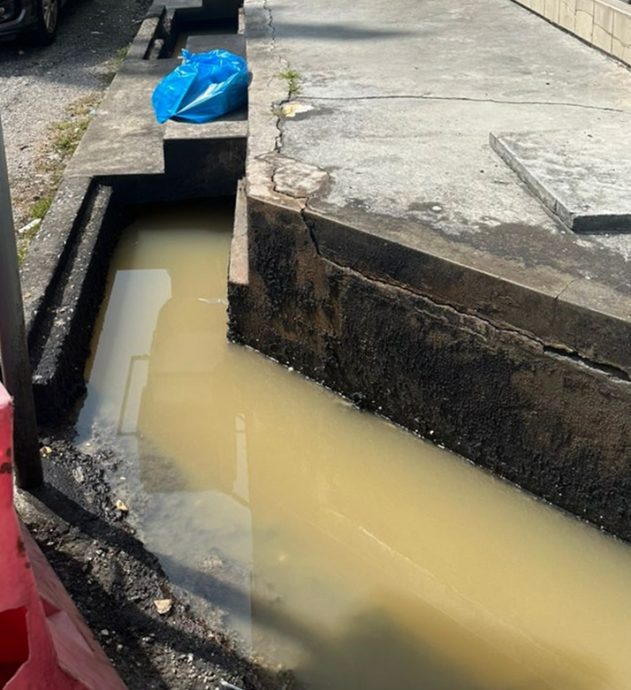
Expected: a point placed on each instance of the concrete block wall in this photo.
(605, 24)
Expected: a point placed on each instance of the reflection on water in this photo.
(339, 545)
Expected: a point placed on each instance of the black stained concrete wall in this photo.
(546, 422)
(60, 338)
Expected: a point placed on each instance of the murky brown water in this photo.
(340, 545)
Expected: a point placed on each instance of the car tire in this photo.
(47, 20)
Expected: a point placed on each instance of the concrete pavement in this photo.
(397, 101)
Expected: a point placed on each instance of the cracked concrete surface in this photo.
(396, 103)
(462, 99)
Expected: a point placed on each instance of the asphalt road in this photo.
(38, 84)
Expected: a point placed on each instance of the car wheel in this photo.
(47, 18)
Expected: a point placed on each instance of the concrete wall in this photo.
(555, 426)
(605, 24)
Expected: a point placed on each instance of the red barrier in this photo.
(44, 642)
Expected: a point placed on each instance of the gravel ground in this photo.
(39, 85)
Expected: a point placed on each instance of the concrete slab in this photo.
(235, 43)
(125, 138)
(390, 107)
(232, 126)
(583, 177)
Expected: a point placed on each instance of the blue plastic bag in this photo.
(204, 87)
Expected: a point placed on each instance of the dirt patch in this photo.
(119, 587)
(40, 88)
(33, 199)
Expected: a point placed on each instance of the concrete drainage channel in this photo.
(125, 157)
(338, 546)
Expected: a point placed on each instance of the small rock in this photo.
(163, 606)
(121, 506)
(30, 226)
(230, 686)
(46, 450)
(78, 475)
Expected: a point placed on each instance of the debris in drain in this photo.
(29, 226)
(163, 606)
(230, 686)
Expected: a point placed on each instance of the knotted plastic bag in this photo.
(204, 87)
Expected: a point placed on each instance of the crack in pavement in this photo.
(465, 99)
(604, 368)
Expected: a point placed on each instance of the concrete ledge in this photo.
(238, 270)
(605, 24)
(233, 126)
(235, 43)
(152, 29)
(49, 252)
(125, 138)
(62, 343)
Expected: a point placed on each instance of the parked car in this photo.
(36, 17)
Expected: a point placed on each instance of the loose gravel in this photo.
(38, 86)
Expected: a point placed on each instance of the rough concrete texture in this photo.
(583, 177)
(394, 256)
(125, 138)
(235, 43)
(60, 345)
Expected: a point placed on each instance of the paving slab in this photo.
(386, 109)
(583, 177)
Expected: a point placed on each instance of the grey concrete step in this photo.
(200, 150)
(583, 177)
(231, 126)
(125, 138)
(235, 43)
